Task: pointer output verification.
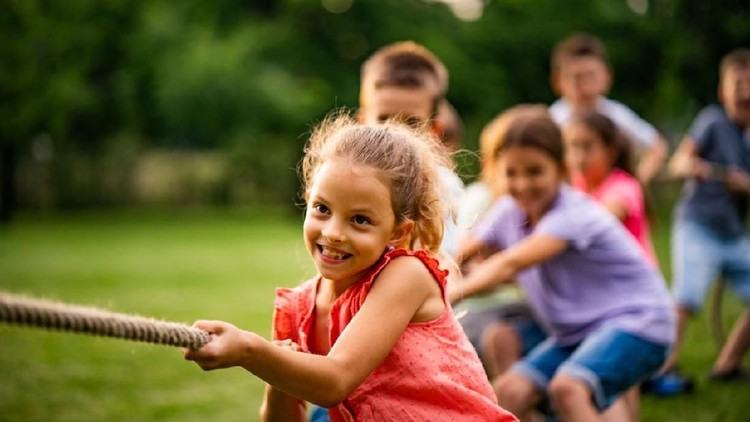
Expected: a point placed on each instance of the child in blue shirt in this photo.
(709, 234)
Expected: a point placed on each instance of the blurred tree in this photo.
(251, 77)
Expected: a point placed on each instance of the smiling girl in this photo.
(372, 336)
(607, 309)
(599, 160)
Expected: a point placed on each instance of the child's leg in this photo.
(683, 316)
(571, 398)
(626, 408)
(501, 346)
(736, 346)
(607, 363)
(521, 388)
(696, 262)
(517, 394)
(504, 343)
(737, 273)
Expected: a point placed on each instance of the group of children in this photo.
(559, 210)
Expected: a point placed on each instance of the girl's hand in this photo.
(228, 346)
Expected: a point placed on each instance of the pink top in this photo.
(621, 187)
(432, 373)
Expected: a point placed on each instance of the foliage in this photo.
(253, 76)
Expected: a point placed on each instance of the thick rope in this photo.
(87, 320)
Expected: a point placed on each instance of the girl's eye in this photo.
(536, 171)
(321, 208)
(360, 219)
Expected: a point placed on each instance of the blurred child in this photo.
(451, 126)
(404, 81)
(709, 233)
(610, 316)
(582, 77)
(599, 161)
(500, 325)
(372, 336)
(598, 158)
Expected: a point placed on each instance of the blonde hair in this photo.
(405, 159)
(493, 135)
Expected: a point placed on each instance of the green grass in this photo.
(185, 266)
(176, 267)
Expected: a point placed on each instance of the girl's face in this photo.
(349, 221)
(532, 177)
(586, 153)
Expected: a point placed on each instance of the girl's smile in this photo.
(532, 177)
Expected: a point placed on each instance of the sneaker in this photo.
(668, 384)
(735, 375)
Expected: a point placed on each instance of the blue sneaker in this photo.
(669, 383)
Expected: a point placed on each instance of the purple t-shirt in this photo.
(602, 278)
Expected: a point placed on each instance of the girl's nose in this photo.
(334, 231)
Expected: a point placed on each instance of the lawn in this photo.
(183, 266)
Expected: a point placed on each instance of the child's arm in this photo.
(470, 248)
(652, 160)
(404, 290)
(685, 162)
(278, 406)
(503, 266)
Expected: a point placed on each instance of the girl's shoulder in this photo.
(620, 182)
(420, 260)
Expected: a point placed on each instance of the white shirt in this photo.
(452, 190)
(642, 133)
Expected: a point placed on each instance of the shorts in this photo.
(609, 361)
(475, 322)
(699, 256)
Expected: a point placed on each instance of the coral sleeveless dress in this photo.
(431, 374)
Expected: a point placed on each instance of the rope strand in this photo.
(21, 310)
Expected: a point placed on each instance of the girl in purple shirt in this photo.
(609, 314)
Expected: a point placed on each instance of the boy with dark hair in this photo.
(581, 75)
(709, 233)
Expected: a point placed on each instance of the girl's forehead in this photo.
(522, 155)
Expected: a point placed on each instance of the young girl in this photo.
(598, 157)
(372, 336)
(608, 310)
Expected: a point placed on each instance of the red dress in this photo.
(431, 374)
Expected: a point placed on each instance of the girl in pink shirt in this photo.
(372, 336)
(598, 158)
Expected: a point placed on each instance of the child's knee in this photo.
(564, 390)
(498, 333)
(513, 389)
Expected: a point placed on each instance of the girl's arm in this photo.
(281, 407)
(404, 290)
(503, 266)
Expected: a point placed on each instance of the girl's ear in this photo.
(402, 233)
